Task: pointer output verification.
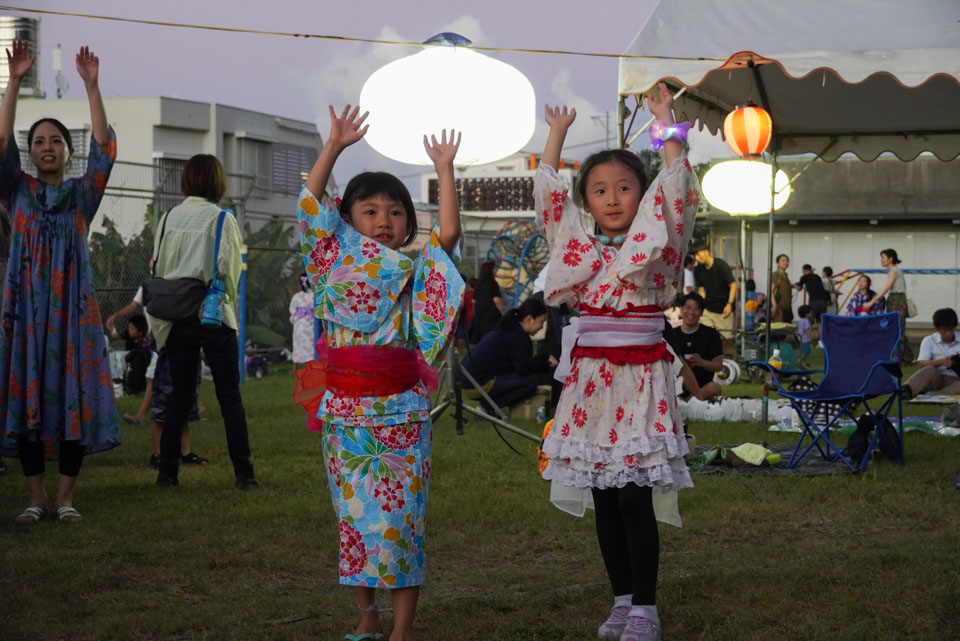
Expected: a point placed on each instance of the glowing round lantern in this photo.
(742, 187)
(448, 86)
(748, 131)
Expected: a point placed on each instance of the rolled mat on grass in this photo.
(810, 465)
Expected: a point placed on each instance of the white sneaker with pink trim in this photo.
(642, 625)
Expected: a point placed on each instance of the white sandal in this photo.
(31, 515)
(67, 514)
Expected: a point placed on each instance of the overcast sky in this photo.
(297, 78)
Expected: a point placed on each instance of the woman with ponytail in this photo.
(505, 356)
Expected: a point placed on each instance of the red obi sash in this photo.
(360, 370)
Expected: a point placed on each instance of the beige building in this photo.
(266, 155)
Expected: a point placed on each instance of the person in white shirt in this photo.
(689, 284)
(937, 373)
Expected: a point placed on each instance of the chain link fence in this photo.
(122, 237)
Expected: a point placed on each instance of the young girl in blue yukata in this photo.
(56, 396)
(386, 318)
(617, 434)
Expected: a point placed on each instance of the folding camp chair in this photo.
(861, 367)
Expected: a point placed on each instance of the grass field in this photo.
(843, 556)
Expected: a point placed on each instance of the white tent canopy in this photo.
(836, 75)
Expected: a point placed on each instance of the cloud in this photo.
(586, 135)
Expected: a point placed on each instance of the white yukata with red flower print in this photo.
(377, 449)
(619, 424)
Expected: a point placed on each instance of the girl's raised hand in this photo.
(559, 116)
(443, 152)
(662, 106)
(88, 66)
(19, 62)
(345, 130)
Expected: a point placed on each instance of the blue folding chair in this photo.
(861, 367)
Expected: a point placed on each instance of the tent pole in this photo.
(743, 285)
(767, 303)
(621, 108)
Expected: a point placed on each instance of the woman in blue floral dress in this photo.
(56, 396)
(386, 319)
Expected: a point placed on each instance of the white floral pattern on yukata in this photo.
(302, 319)
(618, 424)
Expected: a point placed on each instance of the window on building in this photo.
(290, 163)
(166, 183)
(255, 161)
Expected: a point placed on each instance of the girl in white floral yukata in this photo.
(386, 318)
(617, 430)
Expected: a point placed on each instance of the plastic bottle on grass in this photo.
(777, 363)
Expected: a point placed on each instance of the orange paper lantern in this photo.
(748, 131)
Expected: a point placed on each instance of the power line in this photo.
(185, 25)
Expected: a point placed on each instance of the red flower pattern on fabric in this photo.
(362, 298)
(619, 413)
(606, 374)
(325, 253)
(398, 437)
(334, 465)
(662, 406)
(390, 494)
(579, 416)
(693, 198)
(571, 258)
(659, 427)
(590, 388)
(613, 436)
(353, 553)
(370, 249)
(678, 206)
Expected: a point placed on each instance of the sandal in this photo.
(366, 636)
(192, 459)
(31, 515)
(67, 514)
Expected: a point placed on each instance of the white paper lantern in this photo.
(742, 187)
(443, 87)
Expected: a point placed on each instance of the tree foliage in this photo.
(273, 265)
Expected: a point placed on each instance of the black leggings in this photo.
(629, 540)
(32, 461)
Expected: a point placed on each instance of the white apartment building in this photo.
(266, 156)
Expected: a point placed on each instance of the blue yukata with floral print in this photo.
(377, 449)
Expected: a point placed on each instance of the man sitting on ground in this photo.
(939, 359)
(701, 346)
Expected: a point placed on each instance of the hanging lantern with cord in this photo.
(748, 131)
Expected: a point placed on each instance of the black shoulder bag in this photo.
(176, 299)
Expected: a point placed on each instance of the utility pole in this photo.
(604, 121)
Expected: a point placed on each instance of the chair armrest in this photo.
(776, 373)
(892, 367)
